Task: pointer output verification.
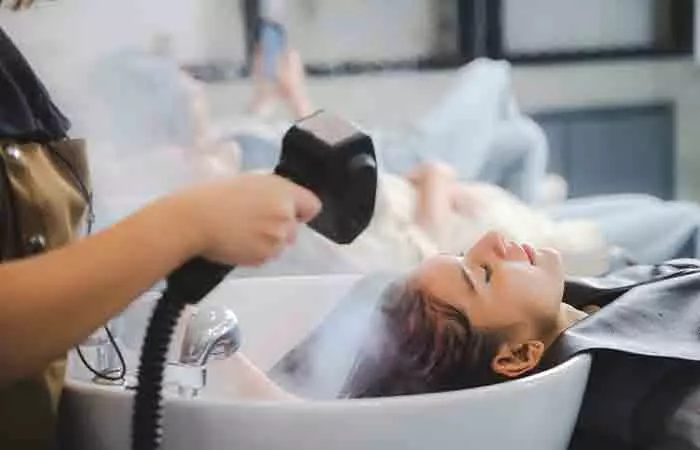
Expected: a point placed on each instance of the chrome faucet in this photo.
(211, 332)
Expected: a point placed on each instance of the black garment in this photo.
(26, 110)
(646, 341)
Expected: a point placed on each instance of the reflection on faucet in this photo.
(212, 332)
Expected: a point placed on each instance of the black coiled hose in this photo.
(146, 420)
(187, 285)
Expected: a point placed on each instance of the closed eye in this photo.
(487, 273)
(466, 275)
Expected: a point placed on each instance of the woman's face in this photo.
(499, 284)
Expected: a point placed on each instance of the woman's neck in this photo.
(568, 315)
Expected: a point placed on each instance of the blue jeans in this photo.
(515, 156)
(516, 159)
(652, 230)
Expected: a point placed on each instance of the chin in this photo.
(553, 265)
(548, 259)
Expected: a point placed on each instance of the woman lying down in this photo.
(429, 211)
(504, 311)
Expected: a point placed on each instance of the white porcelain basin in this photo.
(533, 413)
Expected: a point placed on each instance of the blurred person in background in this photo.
(270, 57)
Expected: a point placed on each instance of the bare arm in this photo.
(434, 184)
(51, 302)
(239, 377)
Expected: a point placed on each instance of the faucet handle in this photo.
(212, 331)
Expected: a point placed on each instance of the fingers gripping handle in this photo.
(333, 159)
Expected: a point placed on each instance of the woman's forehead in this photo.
(442, 278)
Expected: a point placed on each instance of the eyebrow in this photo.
(467, 276)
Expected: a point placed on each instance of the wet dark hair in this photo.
(424, 345)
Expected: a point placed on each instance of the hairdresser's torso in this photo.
(27, 117)
(643, 386)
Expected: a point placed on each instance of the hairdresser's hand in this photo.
(249, 219)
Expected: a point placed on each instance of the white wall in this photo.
(201, 30)
(535, 25)
(62, 38)
(330, 31)
(79, 30)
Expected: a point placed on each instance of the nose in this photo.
(491, 247)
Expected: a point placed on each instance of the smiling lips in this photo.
(527, 250)
(530, 252)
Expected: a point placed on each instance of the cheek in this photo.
(526, 291)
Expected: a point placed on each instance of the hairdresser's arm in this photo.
(51, 302)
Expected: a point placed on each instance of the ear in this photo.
(512, 361)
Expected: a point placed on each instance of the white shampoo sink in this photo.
(535, 413)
